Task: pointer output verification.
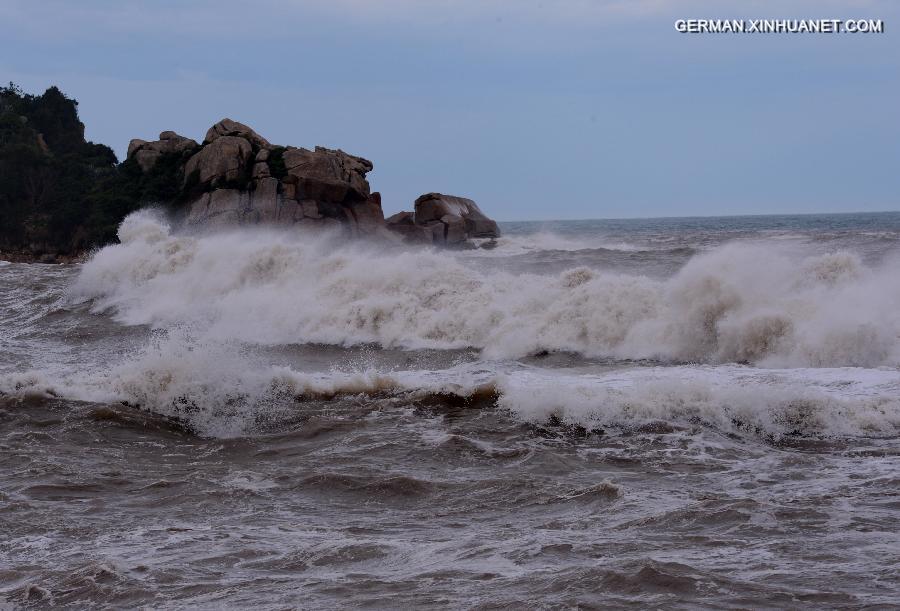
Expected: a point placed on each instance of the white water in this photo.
(739, 303)
(365, 474)
(222, 394)
(215, 297)
(820, 334)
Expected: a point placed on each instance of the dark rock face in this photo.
(460, 215)
(220, 162)
(227, 127)
(404, 225)
(327, 175)
(148, 153)
(237, 177)
(367, 217)
(443, 220)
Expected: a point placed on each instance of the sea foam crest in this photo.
(218, 393)
(739, 303)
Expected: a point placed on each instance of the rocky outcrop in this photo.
(219, 163)
(327, 175)
(227, 127)
(148, 153)
(237, 177)
(404, 225)
(459, 215)
(445, 220)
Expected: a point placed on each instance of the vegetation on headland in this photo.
(59, 194)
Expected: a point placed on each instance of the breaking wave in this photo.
(746, 303)
(218, 392)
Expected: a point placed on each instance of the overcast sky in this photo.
(537, 109)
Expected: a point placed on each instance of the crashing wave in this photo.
(219, 392)
(739, 303)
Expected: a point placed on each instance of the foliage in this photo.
(276, 162)
(59, 193)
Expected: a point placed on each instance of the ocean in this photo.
(666, 413)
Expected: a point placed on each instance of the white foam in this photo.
(828, 402)
(215, 389)
(222, 393)
(741, 302)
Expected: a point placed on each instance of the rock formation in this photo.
(404, 225)
(148, 153)
(238, 177)
(445, 220)
(461, 218)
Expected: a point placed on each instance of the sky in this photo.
(537, 109)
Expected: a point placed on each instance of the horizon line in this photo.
(697, 216)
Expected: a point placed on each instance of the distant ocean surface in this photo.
(660, 413)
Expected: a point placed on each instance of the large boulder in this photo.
(366, 217)
(453, 219)
(222, 161)
(134, 145)
(146, 154)
(327, 175)
(227, 127)
(170, 142)
(281, 185)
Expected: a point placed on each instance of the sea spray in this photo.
(737, 303)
